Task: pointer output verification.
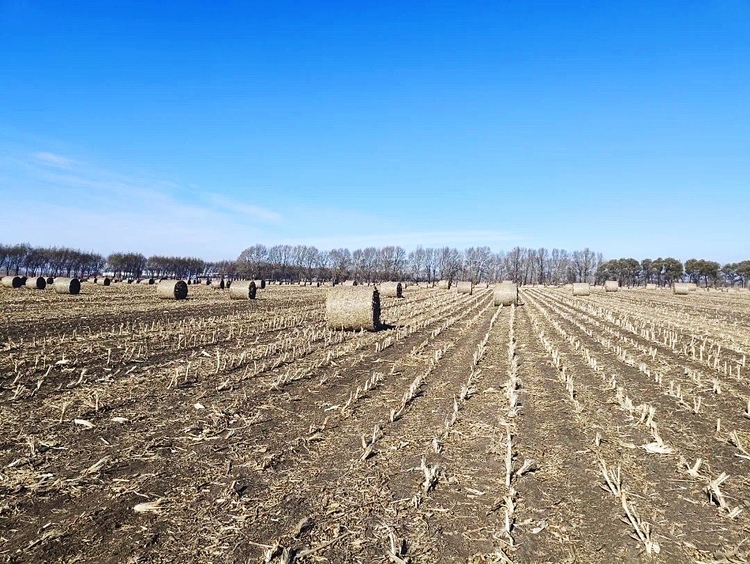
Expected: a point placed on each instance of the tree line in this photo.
(630, 272)
(303, 263)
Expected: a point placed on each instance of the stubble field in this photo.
(567, 429)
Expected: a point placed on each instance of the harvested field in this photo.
(595, 428)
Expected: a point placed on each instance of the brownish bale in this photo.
(465, 288)
(12, 281)
(353, 308)
(391, 290)
(67, 286)
(505, 294)
(172, 290)
(242, 290)
(611, 286)
(39, 283)
(581, 289)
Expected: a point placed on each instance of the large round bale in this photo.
(36, 283)
(650, 286)
(106, 281)
(581, 289)
(353, 308)
(692, 287)
(260, 284)
(505, 294)
(67, 286)
(611, 286)
(172, 290)
(50, 281)
(12, 281)
(464, 287)
(242, 290)
(149, 281)
(218, 284)
(682, 288)
(391, 290)
(444, 284)
(349, 283)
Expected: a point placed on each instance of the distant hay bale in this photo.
(67, 286)
(444, 284)
(12, 281)
(172, 290)
(353, 308)
(391, 290)
(260, 284)
(218, 284)
(650, 286)
(349, 283)
(39, 283)
(149, 281)
(50, 281)
(103, 281)
(464, 287)
(505, 294)
(682, 288)
(581, 289)
(611, 286)
(242, 290)
(692, 287)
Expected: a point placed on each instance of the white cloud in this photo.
(251, 211)
(53, 159)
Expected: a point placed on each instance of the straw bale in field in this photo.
(683, 288)
(242, 290)
(611, 286)
(464, 287)
(444, 284)
(581, 289)
(50, 280)
(103, 281)
(349, 283)
(353, 308)
(36, 283)
(218, 284)
(391, 290)
(172, 290)
(505, 294)
(12, 281)
(260, 284)
(650, 286)
(67, 286)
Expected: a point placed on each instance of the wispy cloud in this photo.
(251, 211)
(51, 159)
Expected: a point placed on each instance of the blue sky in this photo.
(202, 128)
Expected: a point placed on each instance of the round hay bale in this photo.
(242, 290)
(464, 288)
(505, 294)
(12, 281)
(353, 308)
(611, 286)
(218, 284)
(444, 284)
(650, 286)
(50, 281)
(349, 283)
(692, 287)
(67, 286)
(39, 283)
(682, 288)
(581, 289)
(172, 290)
(149, 281)
(106, 281)
(260, 284)
(391, 290)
